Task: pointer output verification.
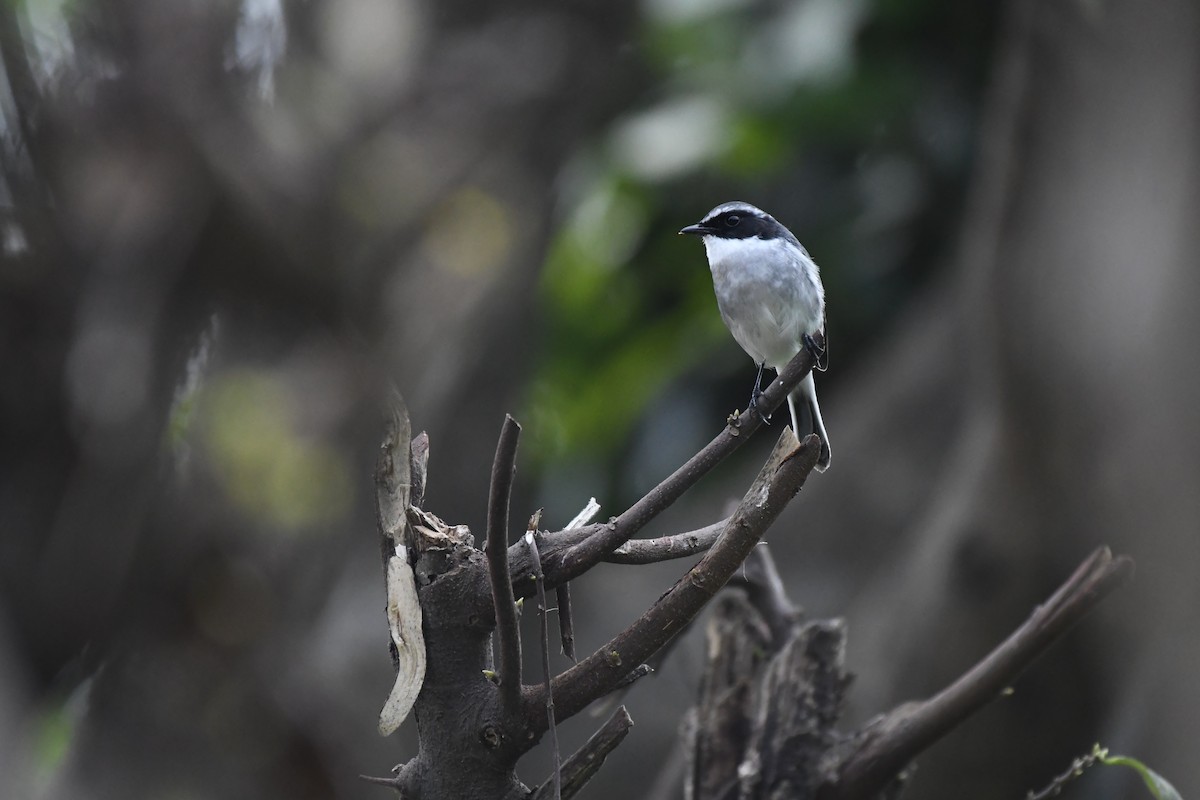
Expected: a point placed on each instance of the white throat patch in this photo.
(752, 249)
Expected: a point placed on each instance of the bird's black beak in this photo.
(697, 230)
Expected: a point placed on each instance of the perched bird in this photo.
(770, 295)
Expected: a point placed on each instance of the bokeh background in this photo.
(227, 227)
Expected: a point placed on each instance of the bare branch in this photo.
(602, 671)
(508, 635)
(391, 783)
(571, 553)
(584, 762)
(665, 548)
(886, 746)
(1071, 773)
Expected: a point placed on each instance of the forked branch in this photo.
(600, 673)
(859, 768)
(569, 554)
(886, 746)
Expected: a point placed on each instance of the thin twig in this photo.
(1073, 772)
(570, 554)
(890, 743)
(543, 612)
(566, 622)
(598, 674)
(584, 762)
(508, 635)
(665, 548)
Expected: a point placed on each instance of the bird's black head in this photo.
(739, 220)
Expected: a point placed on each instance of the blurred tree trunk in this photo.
(1042, 400)
(334, 230)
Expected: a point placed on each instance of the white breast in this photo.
(769, 293)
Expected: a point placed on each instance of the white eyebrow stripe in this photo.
(738, 206)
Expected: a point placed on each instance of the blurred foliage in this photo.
(471, 233)
(852, 122)
(611, 326)
(262, 459)
(52, 743)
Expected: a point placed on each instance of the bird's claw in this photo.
(820, 362)
(755, 410)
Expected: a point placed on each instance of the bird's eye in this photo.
(732, 220)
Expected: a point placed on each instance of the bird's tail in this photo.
(811, 413)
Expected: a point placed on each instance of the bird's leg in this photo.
(820, 362)
(755, 394)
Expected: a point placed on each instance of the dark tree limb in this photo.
(584, 762)
(571, 553)
(884, 748)
(757, 576)
(600, 673)
(508, 636)
(772, 693)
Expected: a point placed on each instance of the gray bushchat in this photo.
(770, 295)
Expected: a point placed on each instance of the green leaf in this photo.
(1157, 784)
